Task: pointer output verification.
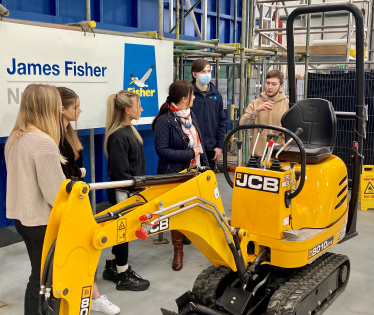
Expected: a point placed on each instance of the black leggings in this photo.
(34, 239)
(121, 252)
(210, 155)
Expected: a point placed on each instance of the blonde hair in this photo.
(69, 98)
(115, 115)
(41, 107)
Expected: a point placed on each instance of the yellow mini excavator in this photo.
(288, 209)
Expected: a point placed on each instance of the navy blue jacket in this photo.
(171, 146)
(211, 117)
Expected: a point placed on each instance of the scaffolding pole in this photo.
(307, 52)
(193, 17)
(161, 19)
(92, 134)
(242, 75)
(205, 19)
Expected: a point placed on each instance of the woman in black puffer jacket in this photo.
(178, 143)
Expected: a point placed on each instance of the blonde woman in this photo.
(34, 175)
(71, 148)
(123, 146)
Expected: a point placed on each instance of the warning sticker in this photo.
(85, 300)
(285, 184)
(86, 292)
(121, 231)
(286, 221)
(369, 189)
(216, 193)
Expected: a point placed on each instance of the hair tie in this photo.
(169, 100)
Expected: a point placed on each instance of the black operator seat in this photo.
(317, 118)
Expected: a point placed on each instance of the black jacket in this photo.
(171, 146)
(72, 166)
(211, 117)
(125, 158)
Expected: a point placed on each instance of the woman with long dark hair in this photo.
(178, 143)
(71, 149)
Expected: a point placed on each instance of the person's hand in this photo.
(265, 106)
(278, 132)
(218, 153)
(197, 153)
(83, 171)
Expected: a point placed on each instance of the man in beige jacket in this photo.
(268, 109)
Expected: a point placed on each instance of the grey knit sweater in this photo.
(34, 177)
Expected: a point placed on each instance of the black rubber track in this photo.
(289, 296)
(207, 283)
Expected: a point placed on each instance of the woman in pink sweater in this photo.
(34, 175)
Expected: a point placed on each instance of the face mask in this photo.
(205, 78)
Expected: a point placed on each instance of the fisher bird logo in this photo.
(141, 83)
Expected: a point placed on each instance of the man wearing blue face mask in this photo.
(208, 109)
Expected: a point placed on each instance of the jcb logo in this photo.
(313, 109)
(161, 226)
(257, 182)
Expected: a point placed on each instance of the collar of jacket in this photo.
(212, 89)
(172, 120)
(280, 97)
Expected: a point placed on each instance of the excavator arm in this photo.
(75, 237)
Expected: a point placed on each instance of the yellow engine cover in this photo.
(324, 198)
(258, 202)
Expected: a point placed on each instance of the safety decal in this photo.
(257, 182)
(285, 184)
(121, 230)
(342, 231)
(286, 221)
(321, 247)
(85, 301)
(161, 226)
(286, 177)
(216, 193)
(369, 189)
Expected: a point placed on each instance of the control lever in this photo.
(258, 135)
(298, 132)
(253, 162)
(270, 151)
(269, 136)
(292, 173)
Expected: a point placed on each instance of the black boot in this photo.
(186, 241)
(110, 271)
(130, 280)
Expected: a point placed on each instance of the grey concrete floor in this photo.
(153, 262)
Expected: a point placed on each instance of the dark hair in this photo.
(276, 74)
(197, 66)
(177, 90)
(69, 98)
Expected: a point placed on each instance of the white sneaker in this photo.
(102, 304)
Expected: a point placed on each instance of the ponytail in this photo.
(163, 109)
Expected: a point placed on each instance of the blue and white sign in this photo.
(93, 66)
(140, 76)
